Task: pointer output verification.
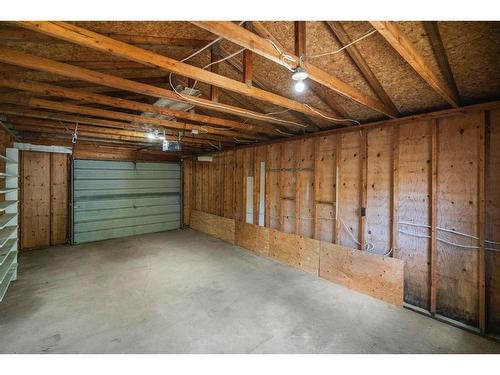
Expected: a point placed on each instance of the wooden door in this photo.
(44, 199)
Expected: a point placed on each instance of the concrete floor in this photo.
(184, 292)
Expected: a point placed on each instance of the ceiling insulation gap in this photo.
(178, 106)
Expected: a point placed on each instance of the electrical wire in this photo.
(369, 247)
(441, 229)
(284, 56)
(282, 132)
(216, 62)
(333, 118)
(366, 35)
(439, 239)
(211, 104)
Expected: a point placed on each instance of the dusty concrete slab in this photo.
(185, 292)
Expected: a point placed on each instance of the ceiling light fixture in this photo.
(299, 75)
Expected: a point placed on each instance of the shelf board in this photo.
(5, 233)
(6, 249)
(7, 160)
(6, 175)
(4, 285)
(6, 204)
(6, 219)
(9, 261)
(8, 190)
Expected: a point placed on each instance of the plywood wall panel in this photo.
(377, 276)
(228, 185)
(288, 184)
(457, 268)
(414, 168)
(294, 250)
(216, 226)
(326, 175)
(379, 179)
(493, 223)
(35, 207)
(305, 188)
(273, 178)
(349, 185)
(252, 237)
(59, 199)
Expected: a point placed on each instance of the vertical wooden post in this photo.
(298, 153)
(482, 220)
(316, 186)
(281, 187)
(364, 188)
(214, 56)
(395, 189)
(234, 186)
(256, 186)
(434, 211)
(248, 62)
(300, 38)
(268, 200)
(338, 169)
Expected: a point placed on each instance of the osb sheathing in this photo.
(472, 49)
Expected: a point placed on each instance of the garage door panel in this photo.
(123, 165)
(86, 226)
(117, 199)
(99, 235)
(111, 174)
(125, 184)
(127, 202)
(99, 214)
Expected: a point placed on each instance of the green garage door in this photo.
(117, 199)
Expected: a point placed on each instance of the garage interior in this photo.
(250, 187)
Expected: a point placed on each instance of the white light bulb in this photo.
(300, 86)
(151, 135)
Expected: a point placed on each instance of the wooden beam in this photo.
(395, 191)
(247, 68)
(434, 218)
(49, 124)
(22, 35)
(261, 46)
(359, 61)
(432, 29)
(11, 56)
(102, 43)
(214, 56)
(300, 38)
(80, 95)
(398, 40)
(259, 83)
(364, 188)
(481, 212)
(56, 106)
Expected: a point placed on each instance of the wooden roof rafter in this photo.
(102, 43)
(113, 115)
(85, 96)
(11, 56)
(263, 47)
(358, 60)
(403, 46)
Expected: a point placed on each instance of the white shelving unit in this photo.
(9, 220)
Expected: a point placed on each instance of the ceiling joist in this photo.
(14, 57)
(85, 96)
(153, 122)
(402, 45)
(360, 62)
(102, 43)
